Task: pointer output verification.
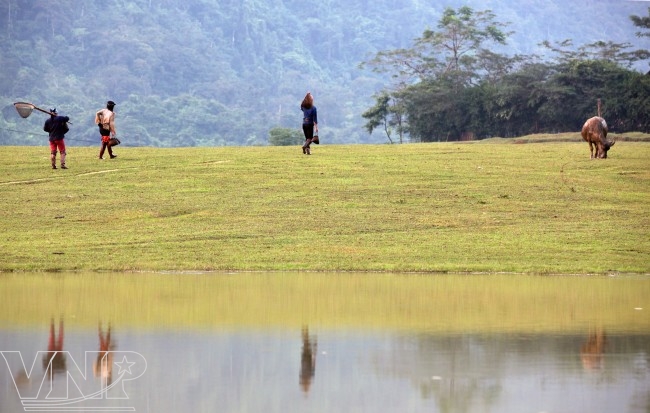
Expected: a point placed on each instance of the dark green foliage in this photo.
(224, 72)
(286, 137)
(387, 114)
(642, 23)
(454, 86)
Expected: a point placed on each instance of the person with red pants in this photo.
(105, 119)
(57, 127)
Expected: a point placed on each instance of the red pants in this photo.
(105, 146)
(59, 144)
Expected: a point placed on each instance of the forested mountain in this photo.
(225, 72)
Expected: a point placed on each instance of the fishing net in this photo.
(24, 109)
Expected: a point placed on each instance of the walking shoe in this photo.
(101, 159)
(113, 156)
(64, 167)
(53, 166)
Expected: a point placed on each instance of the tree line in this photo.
(228, 72)
(453, 84)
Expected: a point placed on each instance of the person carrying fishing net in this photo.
(105, 119)
(56, 126)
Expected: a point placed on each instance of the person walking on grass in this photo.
(105, 119)
(309, 121)
(56, 126)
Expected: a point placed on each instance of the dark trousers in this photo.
(308, 130)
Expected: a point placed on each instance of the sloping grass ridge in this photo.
(450, 207)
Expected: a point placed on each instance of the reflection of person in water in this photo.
(103, 367)
(591, 352)
(55, 356)
(307, 360)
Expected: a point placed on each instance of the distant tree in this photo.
(387, 113)
(607, 51)
(433, 111)
(518, 96)
(642, 23)
(453, 85)
(458, 49)
(637, 103)
(433, 76)
(405, 65)
(578, 85)
(285, 137)
(461, 42)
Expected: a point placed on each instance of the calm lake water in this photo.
(324, 343)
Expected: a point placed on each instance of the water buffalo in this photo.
(594, 131)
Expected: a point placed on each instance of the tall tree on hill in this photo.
(642, 23)
(463, 50)
(460, 43)
(459, 49)
(432, 75)
(617, 53)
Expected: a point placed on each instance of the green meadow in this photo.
(480, 207)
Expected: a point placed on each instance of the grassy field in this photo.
(450, 207)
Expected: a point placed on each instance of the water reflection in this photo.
(54, 359)
(103, 367)
(592, 351)
(384, 343)
(307, 359)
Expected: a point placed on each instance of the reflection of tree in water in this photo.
(103, 366)
(462, 394)
(55, 356)
(461, 373)
(307, 359)
(471, 372)
(460, 388)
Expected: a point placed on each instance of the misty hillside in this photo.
(225, 72)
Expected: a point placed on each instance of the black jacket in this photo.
(56, 126)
